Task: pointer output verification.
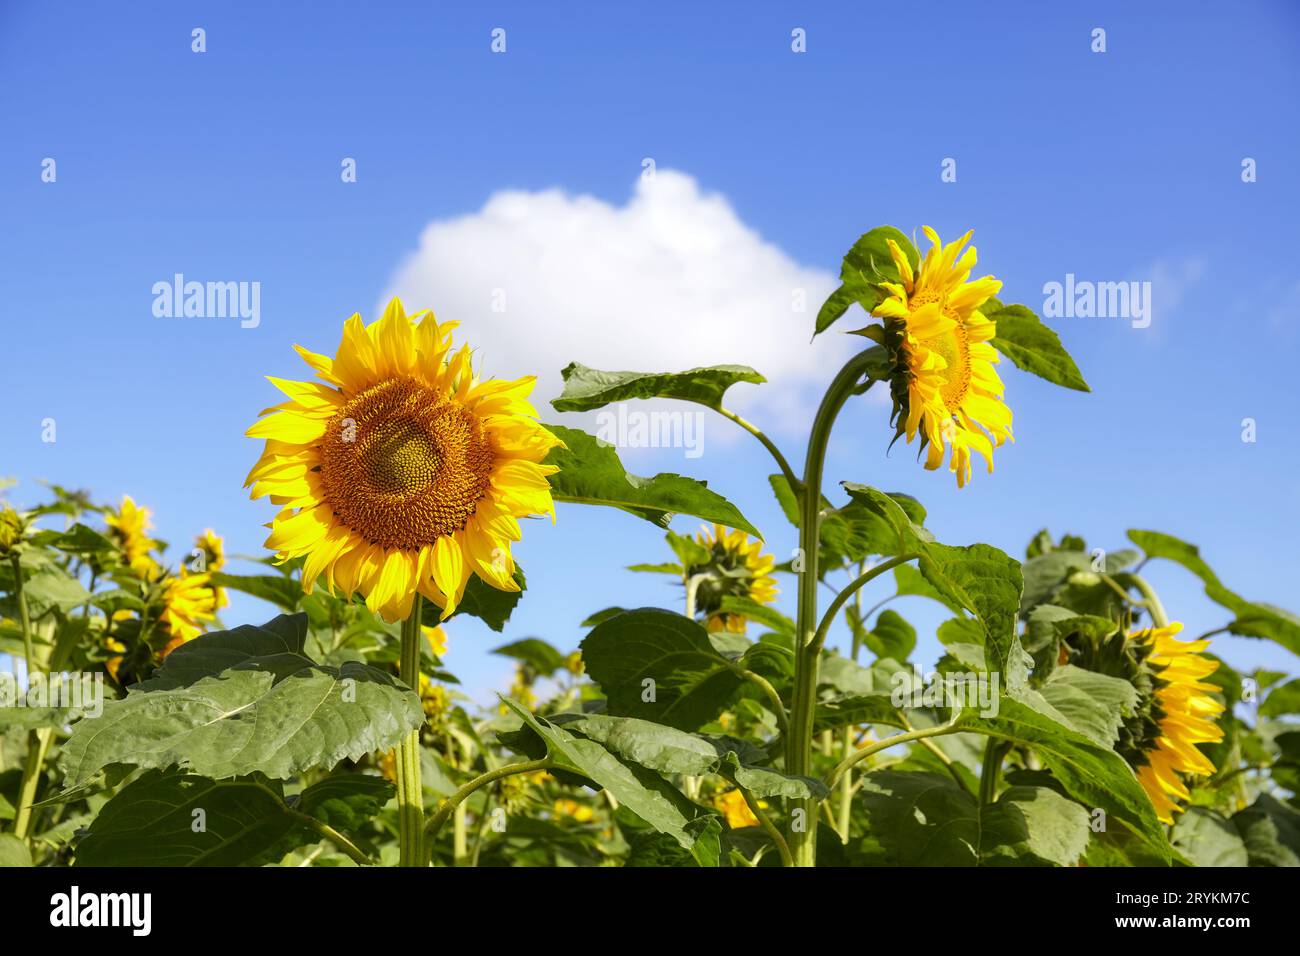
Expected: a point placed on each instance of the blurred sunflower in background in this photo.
(944, 386)
(400, 471)
(128, 528)
(728, 564)
(735, 810)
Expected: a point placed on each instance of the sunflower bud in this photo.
(12, 529)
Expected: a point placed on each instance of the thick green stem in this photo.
(410, 789)
(38, 741)
(798, 750)
(994, 751)
(1158, 615)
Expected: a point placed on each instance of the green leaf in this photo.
(490, 605)
(761, 613)
(51, 588)
(1094, 775)
(1282, 700)
(897, 533)
(13, 851)
(653, 746)
(1271, 832)
(767, 782)
(591, 473)
(284, 593)
(865, 266)
(1253, 619)
(345, 801)
(641, 791)
(1094, 704)
(1032, 346)
(1207, 838)
(660, 666)
(154, 821)
(245, 701)
(909, 580)
(536, 653)
(986, 582)
(588, 388)
(892, 636)
(925, 819)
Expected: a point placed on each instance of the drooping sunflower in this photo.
(1185, 715)
(401, 471)
(129, 527)
(944, 385)
(735, 810)
(735, 567)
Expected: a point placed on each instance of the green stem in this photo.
(773, 695)
(338, 839)
(449, 805)
(410, 789)
(767, 443)
(798, 751)
(892, 741)
(1153, 604)
(994, 751)
(859, 582)
(782, 848)
(38, 741)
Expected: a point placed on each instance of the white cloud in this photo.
(672, 280)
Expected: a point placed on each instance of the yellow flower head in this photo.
(579, 812)
(435, 700)
(214, 550)
(129, 529)
(400, 471)
(189, 603)
(437, 638)
(736, 567)
(1184, 713)
(735, 810)
(944, 385)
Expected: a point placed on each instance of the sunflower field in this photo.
(1071, 721)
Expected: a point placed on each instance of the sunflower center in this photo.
(401, 466)
(954, 347)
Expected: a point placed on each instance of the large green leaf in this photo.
(925, 819)
(1271, 832)
(180, 819)
(591, 473)
(345, 801)
(1032, 346)
(588, 388)
(642, 791)
(490, 605)
(660, 666)
(1094, 775)
(1093, 703)
(246, 701)
(1206, 838)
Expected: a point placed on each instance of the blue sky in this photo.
(1115, 166)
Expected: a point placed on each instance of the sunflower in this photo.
(437, 638)
(1184, 713)
(189, 603)
(735, 567)
(944, 385)
(735, 810)
(214, 553)
(400, 472)
(129, 529)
